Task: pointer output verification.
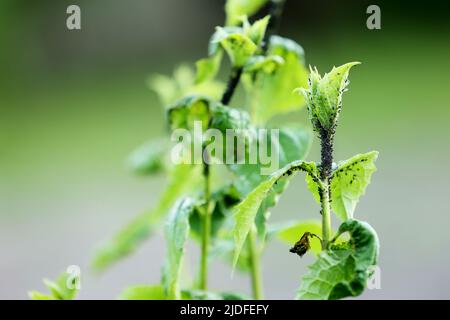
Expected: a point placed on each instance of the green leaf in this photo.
(36, 295)
(185, 82)
(245, 212)
(324, 96)
(238, 46)
(222, 202)
(143, 292)
(207, 68)
(293, 143)
(220, 34)
(207, 295)
(270, 93)
(212, 115)
(176, 234)
(343, 270)
(225, 118)
(267, 64)
(257, 30)
(290, 233)
(65, 288)
(349, 182)
(184, 112)
(235, 9)
(150, 157)
(182, 178)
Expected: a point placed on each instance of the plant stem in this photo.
(326, 216)
(203, 284)
(326, 165)
(233, 81)
(275, 12)
(255, 269)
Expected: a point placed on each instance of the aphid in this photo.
(303, 245)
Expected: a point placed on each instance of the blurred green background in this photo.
(74, 104)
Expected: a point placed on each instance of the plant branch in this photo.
(275, 12)
(255, 269)
(326, 166)
(233, 81)
(203, 284)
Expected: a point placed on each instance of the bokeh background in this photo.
(74, 104)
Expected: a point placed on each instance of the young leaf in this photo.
(245, 212)
(240, 43)
(257, 30)
(184, 82)
(324, 96)
(343, 270)
(176, 234)
(65, 288)
(235, 9)
(150, 157)
(188, 109)
(349, 182)
(225, 118)
(239, 48)
(143, 292)
(182, 179)
(271, 93)
(267, 64)
(207, 68)
(212, 114)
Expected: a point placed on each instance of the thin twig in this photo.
(275, 12)
(233, 81)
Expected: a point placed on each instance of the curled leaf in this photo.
(342, 270)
